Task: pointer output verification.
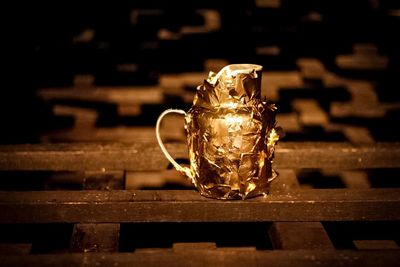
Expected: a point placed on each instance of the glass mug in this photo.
(231, 135)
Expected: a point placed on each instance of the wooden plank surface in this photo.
(132, 95)
(15, 249)
(188, 206)
(375, 244)
(218, 257)
(296, 235)
(144, 156)
(299, 235)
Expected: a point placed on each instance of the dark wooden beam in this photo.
(215, 257)
(147, 156)
(189, 206)
(296, 235)
(299, 235)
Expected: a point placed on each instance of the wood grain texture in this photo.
(296, 235)
(143, 156)
(189, 206)
(299, 235)
(218, 257)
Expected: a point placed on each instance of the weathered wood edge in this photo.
(183, 206)
(217, 257)
(147, 156)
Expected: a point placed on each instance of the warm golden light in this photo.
(231, 135)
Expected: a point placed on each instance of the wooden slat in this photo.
(296, 235)
(219, 257)
(311, 69)
(273, 81)
(268, 3)
(189, 206)
(358, 135)
(144, 156)
(310, 112)
(121, 95)
(15, 249)
(375, 244)
(286, 181)
(155, 179)
(355, 179)
(299, 235)
(122, 134)
(177, 247)
(362, 62)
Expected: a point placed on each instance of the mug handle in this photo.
(184, 170)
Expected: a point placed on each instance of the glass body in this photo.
(228, 151)
(230, 133)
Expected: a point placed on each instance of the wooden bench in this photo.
(294, 216)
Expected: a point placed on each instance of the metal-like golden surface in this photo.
(231, 135)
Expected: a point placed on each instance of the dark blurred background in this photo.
(103, 71)
(91, 71)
